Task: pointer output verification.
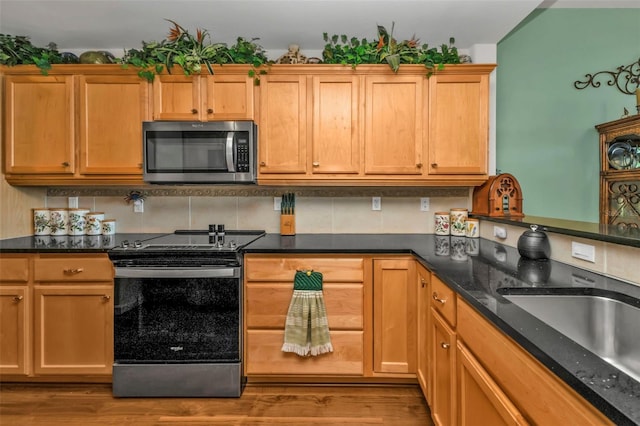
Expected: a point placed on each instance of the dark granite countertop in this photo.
(478, 270)
(70, 244)
(478, 278)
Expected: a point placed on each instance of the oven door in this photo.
(177, 315)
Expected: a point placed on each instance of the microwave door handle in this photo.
(229, 153)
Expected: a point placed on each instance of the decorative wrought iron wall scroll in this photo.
(626, 78)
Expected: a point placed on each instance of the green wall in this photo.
(545, 133)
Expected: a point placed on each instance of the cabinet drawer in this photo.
(284, 268)
(73, 268)
(267, 305)
(264, 355)
(443, 300)
(14, 270)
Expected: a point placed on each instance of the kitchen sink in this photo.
(606, 326)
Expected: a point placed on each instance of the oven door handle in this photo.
(176, 272)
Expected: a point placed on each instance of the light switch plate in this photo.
(138, 206)
(583, 251)
(424, 204)
(277, 202)
(500, 232)
(73, 202)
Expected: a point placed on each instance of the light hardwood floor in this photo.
(93, 404)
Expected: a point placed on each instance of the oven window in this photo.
(178, 151)
(164, 320)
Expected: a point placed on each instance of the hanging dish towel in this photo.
(307, 329)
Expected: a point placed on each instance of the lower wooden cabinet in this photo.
(56, 317)
(73, 329)
(443, 371)
(479, 397)
(268, 289)
(14, 329)
(15, 315)
(424, 358)
(395, 319)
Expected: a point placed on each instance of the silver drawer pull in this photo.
(17, 298)
(444, 345)
(71, 271)
(437, 299)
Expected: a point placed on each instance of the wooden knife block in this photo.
(287, 224)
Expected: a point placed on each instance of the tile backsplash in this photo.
(351, 214)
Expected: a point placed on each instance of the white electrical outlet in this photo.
(376, 203)
(138, 206)
(277, 202)
(424, 204)
(583, 251)
(500, 232)
(73, 202)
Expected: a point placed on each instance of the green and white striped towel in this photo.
(306, 330)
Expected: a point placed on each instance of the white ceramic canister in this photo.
(472, 228)
(458, 219)
(441, 222)
(108, 227)
(77, 221)
(58, 221)
(41, 219)
(94, 223)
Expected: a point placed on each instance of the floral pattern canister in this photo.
(94, 223)
(441, 223)
(108, 227)
(459, 222)
(473, 228)
(58, 221)
(77, 221)
(41, 222)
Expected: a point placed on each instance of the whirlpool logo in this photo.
(176, 348)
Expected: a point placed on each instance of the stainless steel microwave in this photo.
(183, 152)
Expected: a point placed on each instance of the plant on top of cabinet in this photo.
(386, 49)
(190, 52)
(16, 50)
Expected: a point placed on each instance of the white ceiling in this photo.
(116, 25)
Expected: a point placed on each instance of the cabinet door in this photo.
(479, 397)
(39, 125)
(227, 97)
(112, 109)
(177, 97)
(394, 316)
(14, 330)
(73, 329)
(282, 145)
(393, 125)
(423, 286)
(443, 361)
(458, 124)
(336, 136)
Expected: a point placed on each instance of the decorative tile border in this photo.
(261, 191)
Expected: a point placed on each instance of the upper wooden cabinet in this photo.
(458, 124)
(39, 124)
(204, 97)
(334, 125)
(80, 125)
(110, 129)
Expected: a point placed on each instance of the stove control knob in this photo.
(232, 244)
(220, 244)
(137, 244)
(125, 244)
